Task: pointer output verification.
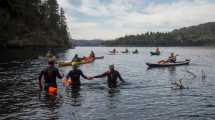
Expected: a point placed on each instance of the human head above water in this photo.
(51, 62)
(172, 54)
(75, 67)
(111, 67)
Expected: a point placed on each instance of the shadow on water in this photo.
(74, 94)
(50, 105)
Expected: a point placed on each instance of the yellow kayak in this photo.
(70, 63)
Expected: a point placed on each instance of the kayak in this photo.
(70, 63)
(155, 53)
(186, 62)
(124, 52)
(134, 52)
(101, 57)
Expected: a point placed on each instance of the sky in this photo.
(110, 19)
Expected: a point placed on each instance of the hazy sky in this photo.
(108, 19)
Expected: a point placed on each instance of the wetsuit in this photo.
(50, 74)
(112, 77)
(74, 75)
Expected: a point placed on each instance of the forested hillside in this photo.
(200, 35)
(32, 23)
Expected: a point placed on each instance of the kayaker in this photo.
(172, 58)
(74, 76)
(112, 76)
(113, 51)
(126, 50)
(157, 50)
(50, 74)
(135, 51)
(76, 58)
(92, 54)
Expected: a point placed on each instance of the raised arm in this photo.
(101, 75)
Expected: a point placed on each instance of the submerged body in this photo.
(112, 77)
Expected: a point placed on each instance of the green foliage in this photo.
(31, 23)
(200, 35)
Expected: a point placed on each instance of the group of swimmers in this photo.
(51, 73)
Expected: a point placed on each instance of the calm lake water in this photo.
(149, 94)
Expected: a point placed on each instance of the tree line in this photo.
(200, 35)
(31, 23)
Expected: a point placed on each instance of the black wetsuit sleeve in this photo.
(68, 75)
(59, 75)
(102, 75)
(84, 76)
(120, 77)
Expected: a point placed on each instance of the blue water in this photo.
(149, 93)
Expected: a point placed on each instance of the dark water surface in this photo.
(149, 94)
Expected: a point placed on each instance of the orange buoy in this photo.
(52, 90)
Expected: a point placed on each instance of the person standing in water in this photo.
(74, 76)
(112, 76)
(50, 74)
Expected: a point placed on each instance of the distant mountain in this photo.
(87, 42)
(199, 35)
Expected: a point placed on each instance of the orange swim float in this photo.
(52, 90)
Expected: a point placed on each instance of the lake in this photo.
(149, 93)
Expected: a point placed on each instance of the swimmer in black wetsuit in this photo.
(50, 74)
(74, 76)
(112, 76)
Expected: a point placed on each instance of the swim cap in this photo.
(111, 66)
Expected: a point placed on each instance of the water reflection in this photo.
(74, 94)
(50, 104)
(148, 97)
